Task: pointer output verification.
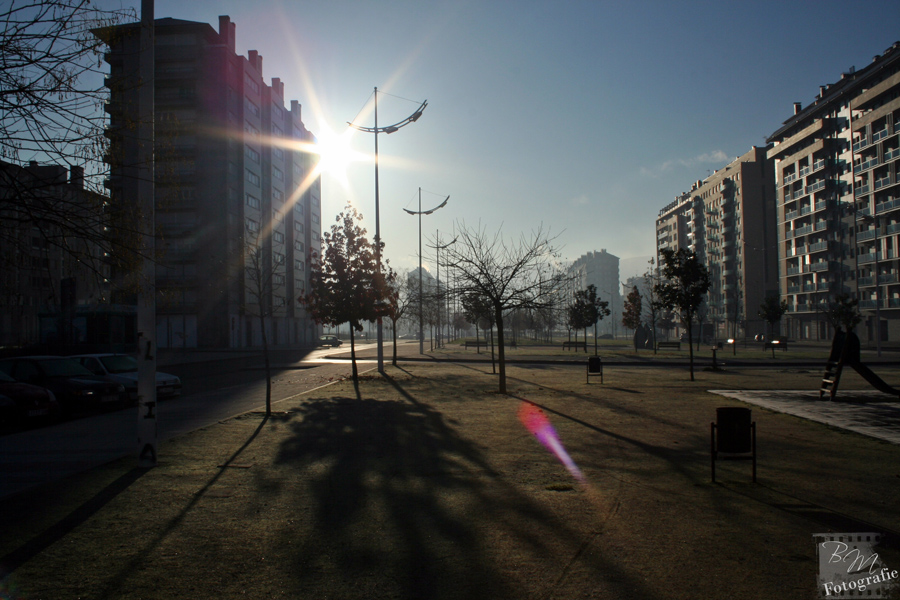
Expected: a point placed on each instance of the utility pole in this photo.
(148, 434)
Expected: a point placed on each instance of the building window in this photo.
(298, 226)
(278, 237)
(278, 153)
(298, 208)
(252, 201)
(252, 226)
(299, 265)
(298, 246)
(278, 279)
(315, 218)
(250, 83)
(252, 108)
(252, 131)
(277, 195)
(277, 174)
(279, 259)
(251, 154)
(252, 177)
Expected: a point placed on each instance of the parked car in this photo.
(76, 388)
(330, 340)
(122, 368)
(22, 402)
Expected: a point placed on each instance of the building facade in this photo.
(233, 184)
(600, 269)
(836, 164)
(53, 281)
(728, 220)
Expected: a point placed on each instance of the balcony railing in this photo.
(887, 206)
(866, 165)
(883, 182)
(862, 190)
(818, 246)
(879, 135)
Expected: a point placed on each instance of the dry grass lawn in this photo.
(425, 484)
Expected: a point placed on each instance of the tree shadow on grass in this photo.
(402, 505)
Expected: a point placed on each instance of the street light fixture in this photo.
(376, 130)
(420, 212)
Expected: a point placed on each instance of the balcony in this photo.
(819, 164)
(819, 266)
(819, 185)
(887, 206)
(804, 172)
(867, 258)
(862, 190)
(879, 135)
(818, 247)
(865, 166)
(883, 182)
(891, 154)
(789, 179)
(791, 215)
(860, 145)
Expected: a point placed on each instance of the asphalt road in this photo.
(212, 391)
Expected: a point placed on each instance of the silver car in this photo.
(122, 368)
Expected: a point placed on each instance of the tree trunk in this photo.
(690, 330)
(501, 358)
(394, 332)
(493, 362)
(353, 354)
(265, 341)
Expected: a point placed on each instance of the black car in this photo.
(21, 403)
(76, 388)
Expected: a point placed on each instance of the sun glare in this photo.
(335, 153)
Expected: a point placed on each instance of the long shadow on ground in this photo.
(402, 505)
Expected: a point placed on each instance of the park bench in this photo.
(668, 345)
(478, 344)
(575, 345)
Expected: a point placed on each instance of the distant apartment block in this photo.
(229, 174)
(53, 287)
(600, 269)
(728, 219)
(838, 191)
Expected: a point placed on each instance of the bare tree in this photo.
(400, 298)
(264, 278)
(52, 111)
(507, 274)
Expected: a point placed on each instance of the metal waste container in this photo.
(733, 424)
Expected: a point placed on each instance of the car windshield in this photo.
(119, 364)
(6, 378)
(63, 367)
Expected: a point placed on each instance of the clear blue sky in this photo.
(584, 116)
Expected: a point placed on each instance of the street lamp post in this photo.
(438, 247)
(376, 130)
(420, 212)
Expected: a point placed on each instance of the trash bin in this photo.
(733, 425)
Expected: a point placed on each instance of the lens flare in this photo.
(535, 421)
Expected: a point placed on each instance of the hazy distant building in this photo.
(836, 163)
(600, 269)
(728, 219)
(227, 172)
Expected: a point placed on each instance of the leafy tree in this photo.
(507, 274)
(686, 281)
(771, 311)
(632, 316)
(479, 312)
(843, 313)
(587, 311)
(345, 284)
(399, 299)
(655, 307)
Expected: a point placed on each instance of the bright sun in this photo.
(335, 153)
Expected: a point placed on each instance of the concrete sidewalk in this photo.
(868, 413)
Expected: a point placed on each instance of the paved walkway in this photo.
(869, 413)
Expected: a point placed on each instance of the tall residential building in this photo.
(600, 269)
(728, 219)
(836, 163)
(53, 287)
(229, 176)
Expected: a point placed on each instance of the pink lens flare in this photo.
(535, 421)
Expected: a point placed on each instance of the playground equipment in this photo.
(845, 353)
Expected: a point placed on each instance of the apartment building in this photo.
(728, 220)
(600, 269)
(230, 177)
(838, 195)
(53, 287)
